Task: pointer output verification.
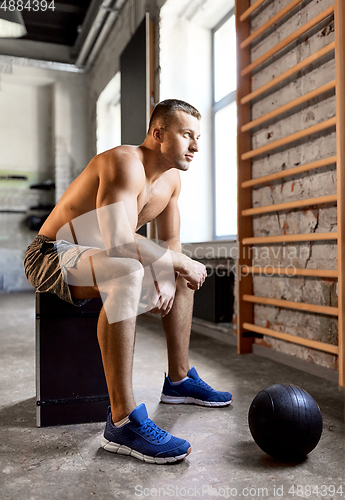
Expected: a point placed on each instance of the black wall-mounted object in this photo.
(70, 381)
(35, 222)
(214, 300)
(13, 178)
(45, 186)
(44, 208)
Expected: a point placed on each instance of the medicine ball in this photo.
(285, 422)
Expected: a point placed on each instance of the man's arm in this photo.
(168, 222)
(168, 227)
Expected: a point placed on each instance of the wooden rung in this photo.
(294, 69)
(290, 205)
(300, 306)
(286, 271)
(288, 106)
(314, 344)
(289, 237)
(251, 9)
(270, 23)
(289, 171)
(289, 39)
(290, 138)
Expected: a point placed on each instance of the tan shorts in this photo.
(46, 263)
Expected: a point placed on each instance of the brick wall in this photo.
(310, 255)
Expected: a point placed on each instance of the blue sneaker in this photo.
(143, 439)
(194, 390)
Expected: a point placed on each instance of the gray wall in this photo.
(43, 135)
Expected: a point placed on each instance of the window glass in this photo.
(109, 116)
(225, 59)
(226, 170)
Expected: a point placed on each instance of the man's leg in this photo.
(177, 326)
(137, 435)
(116, 340)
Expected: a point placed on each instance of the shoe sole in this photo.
(188, 400)
(125, 450)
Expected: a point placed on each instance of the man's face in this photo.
(180, 140)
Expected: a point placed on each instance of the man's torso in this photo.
(81, 196)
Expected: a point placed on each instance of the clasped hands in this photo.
(160, 292)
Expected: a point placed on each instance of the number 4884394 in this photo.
(34, 5)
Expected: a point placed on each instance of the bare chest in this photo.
(152, 202)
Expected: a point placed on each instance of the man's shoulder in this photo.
(119, 154)
(119, 161)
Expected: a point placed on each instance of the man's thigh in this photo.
(80, 278)
(95, 267)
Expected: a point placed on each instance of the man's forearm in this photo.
(148, 252)
(174, 244)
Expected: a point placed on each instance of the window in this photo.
(109, 116)
(224, 114)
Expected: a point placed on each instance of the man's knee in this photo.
(133, 268)
(130, 276)
(181, 285)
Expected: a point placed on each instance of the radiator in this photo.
(214, 301)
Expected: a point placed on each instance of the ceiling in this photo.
(59, 26)
(59, 35)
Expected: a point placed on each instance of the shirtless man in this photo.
(131, 186)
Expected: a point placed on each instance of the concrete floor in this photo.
(67, 461)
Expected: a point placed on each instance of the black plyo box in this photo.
(70, 381)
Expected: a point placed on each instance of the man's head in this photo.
(175, 129)
(164, 111)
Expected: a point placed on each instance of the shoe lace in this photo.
(201, 383)
(152, 430)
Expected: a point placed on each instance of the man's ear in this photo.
(157, 134)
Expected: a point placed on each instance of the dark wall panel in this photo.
(133, 88)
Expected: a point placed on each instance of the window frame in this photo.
(217, 106)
